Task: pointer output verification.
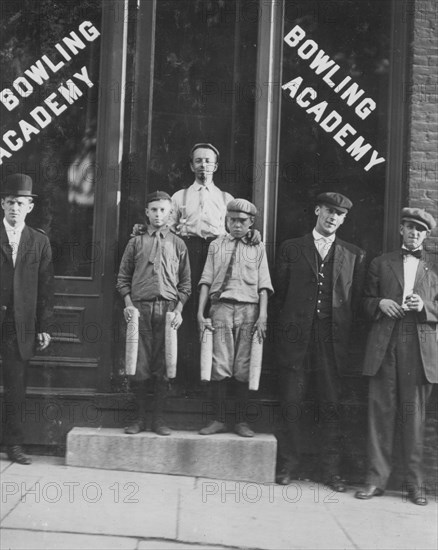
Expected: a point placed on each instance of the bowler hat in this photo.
(338, 201)
(17, 185)
(242, 205)
(420, 216)
(158, 196)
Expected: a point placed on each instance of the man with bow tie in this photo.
(401, 299)
(318, 284)
(26, 279)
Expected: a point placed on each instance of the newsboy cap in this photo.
(340, 202)
(204, 146)
(158, 196)
(242, 205)
(420, 216)
(17, 185)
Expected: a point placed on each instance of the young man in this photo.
(318, 287)
(26, 282)
(236, 279)
(401, 299)
(154, 277)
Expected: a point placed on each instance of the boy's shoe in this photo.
(243, 430)
(215, 427)
(160, 428)
(135, 427)
(16, 454)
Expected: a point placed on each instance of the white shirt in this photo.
(410, 266)
(14, 236)
(322, 243)
(200, 211)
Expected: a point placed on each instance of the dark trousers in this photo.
(319, 373)
(397, 396)
(14, 384)
(141, 389)
(188, 335)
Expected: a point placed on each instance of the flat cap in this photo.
(420, 216)
(158, 196)
(17, 185)
(204, 146)
(338, 201)
(242, 205)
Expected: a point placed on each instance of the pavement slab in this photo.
(18, 539)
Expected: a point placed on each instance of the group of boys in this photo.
(199, 249)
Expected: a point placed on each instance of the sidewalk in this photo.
(51, 506)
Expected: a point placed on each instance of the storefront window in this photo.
(204, 90)
(336, 66)
(49, 59)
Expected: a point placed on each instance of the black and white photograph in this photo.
(219, 274)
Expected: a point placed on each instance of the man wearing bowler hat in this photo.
(401, 359)
(25, 304)
(319, 282)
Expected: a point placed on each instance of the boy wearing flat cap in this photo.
(401, 359)
(154, 277)
(26, 301)
(237, 281)
(319, 280)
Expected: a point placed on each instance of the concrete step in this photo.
(220, 456)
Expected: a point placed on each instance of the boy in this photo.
(154, 277)
(236, 279)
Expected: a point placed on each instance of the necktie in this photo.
(201, 197)
(155, 257)
(323, 246)
(415, 253)
(229, 269)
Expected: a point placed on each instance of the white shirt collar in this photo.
(198, 186)
(317, 237)
(16, 230)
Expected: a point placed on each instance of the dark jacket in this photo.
(30, 284)
(386, 280)
(296, 287)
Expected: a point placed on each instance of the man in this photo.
(198, 217)
(319, 281)
(401, 299)
(25, 303)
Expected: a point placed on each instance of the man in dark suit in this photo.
(401, 359)
(25, 303)
(318, 283)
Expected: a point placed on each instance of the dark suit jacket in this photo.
(385, 280)
(31, 282)
(296, 287)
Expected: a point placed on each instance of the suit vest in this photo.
(325, 284)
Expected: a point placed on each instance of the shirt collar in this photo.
(414, 250)
(18, 229)
(197, 186)
(163, 230)
(317, 236)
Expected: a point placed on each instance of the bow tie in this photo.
(415, 253)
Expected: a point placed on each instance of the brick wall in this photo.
(422, 161)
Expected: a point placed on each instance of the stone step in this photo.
(221, 456)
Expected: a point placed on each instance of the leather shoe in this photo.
(160, 428)
(284, 477)
(215, 427)
(16, 454)
(336, 483)
(243, 430)
(369, 491)
(135, 427)
(417, 497)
